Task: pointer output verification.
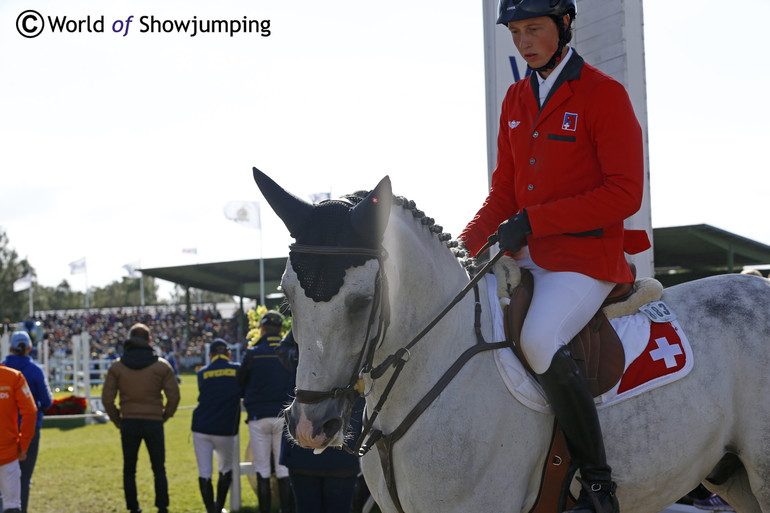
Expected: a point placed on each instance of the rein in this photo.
(355, 386)
(401, 356)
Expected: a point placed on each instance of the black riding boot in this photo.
(575, 410)
(263, 494)
(207, 493)
(223, 485)
(286, 495)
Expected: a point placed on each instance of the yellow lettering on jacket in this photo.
(218, 373)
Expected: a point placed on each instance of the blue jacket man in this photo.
(268, 387)
(19, 359)
(215, 423)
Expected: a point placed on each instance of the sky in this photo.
(124, 146)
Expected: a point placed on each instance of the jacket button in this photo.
(532, 161)
(530, 187)
(535, 135)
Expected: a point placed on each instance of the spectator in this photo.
(15, 436)
(141, 377)
(215, 423)
(326, 482)
(268, 386)
(19, 359)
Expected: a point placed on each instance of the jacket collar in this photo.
(571, 71)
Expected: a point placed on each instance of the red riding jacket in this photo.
(576, 166)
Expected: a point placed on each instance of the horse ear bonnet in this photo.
(355, 221)
(321, 276)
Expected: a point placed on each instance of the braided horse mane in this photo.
(456, 246)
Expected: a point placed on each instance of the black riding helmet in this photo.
(516, 10)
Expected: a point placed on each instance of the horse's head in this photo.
(333, 285)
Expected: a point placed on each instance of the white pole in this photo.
(75, 362)
(235, 484)
(31, 309)
(86, 342)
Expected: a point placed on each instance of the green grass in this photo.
(79, 469)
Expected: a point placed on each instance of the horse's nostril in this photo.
(331, 427)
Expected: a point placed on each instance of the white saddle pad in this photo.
(659, 359)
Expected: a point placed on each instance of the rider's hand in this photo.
(512, 234)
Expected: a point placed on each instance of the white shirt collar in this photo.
(547, 83)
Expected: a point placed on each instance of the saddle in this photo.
(597, 349)
(599, 354)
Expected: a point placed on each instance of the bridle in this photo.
(380, 303)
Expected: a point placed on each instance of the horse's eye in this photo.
(357, 303)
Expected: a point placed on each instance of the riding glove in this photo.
(512, 234)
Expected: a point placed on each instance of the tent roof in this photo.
(682, 253)
(238, 278)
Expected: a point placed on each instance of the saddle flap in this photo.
(599, 354)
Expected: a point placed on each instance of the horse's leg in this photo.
(738, 493)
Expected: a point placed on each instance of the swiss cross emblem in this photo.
(570, 121)
(666, 352)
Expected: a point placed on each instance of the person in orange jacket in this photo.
(569, 172)
(15, 399)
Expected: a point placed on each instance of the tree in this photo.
(14, 306)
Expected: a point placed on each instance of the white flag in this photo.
(131, 269)
(78, 266)
(318, 197)
(245, 213)
(191, 251)
(22, 283)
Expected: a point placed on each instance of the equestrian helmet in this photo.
(515, 10)
(271, 318)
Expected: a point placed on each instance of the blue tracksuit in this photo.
(219, 398)
(268, 385)
(36, 380)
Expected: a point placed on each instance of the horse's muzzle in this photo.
(317, 425)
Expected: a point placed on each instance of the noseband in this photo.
(355, 386)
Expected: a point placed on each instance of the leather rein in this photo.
(398, 359)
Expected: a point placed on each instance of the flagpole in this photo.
(141, 285)
(261, 259)
(31, 309)
(85, 273)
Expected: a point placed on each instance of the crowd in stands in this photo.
(108, 329)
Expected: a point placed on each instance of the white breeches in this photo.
(265, 437)
(206, 446)
(562, 304)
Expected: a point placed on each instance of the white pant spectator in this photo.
(265, 437)
(10, 485)
(208, 445)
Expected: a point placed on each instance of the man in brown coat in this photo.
(141, 378)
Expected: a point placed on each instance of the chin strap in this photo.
(556, 57)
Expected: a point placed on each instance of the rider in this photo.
(569, 171)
